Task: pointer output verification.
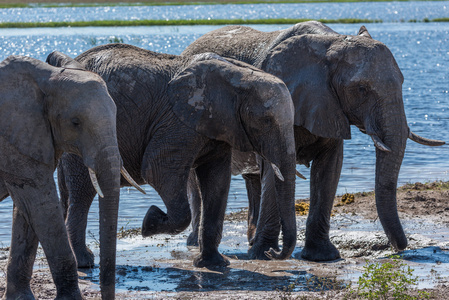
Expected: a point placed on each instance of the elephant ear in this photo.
(23, 119)
(302, 63)
(206, 97)
(364, 32)
(59, 59)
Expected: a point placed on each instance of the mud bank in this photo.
(161, 267)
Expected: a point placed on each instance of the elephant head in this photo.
(57, 110)
(351, 80)
(231, 101)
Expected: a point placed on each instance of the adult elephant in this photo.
(176, 114)
(45, 111)
(335, 81)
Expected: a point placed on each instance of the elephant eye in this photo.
(363, 89)
(76, 122)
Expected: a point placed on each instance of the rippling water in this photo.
(386, 11)
(421, 50)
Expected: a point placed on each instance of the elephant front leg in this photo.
(75, 184)
(22, 254)
(215, 179)
(324, 177)
(268, 226)
(40, 208)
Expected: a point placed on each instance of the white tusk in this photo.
(423, 141)
(300, 175)
(94, 180)
(131, 180)
(277, 172)
(379, 144)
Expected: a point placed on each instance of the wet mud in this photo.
(161, 267)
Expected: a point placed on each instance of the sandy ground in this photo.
(161, 267)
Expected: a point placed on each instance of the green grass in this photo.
(79, 3)
(109, 23)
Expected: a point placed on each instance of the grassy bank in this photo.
(109, 23)
(84, 3)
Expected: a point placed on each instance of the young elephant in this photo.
(45, 111)
(335, 81)
(175, 114)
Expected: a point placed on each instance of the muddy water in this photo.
(162, 265)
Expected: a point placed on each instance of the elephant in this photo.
(335, 81)
(46, 111)
(178, 118)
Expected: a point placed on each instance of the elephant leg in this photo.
(40, 207)
(76, 185)
(166, 165)
(324, 177)
(253, 189)
(215, 178)
(22, 254)
(195, 208)
(268, 225)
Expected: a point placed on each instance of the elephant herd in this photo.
(236, 101)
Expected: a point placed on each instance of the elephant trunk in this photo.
(109, 181)
(388, 164)
(284, 161)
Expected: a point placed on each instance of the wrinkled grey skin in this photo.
(45, 111)
(177, 114)
(335, 81)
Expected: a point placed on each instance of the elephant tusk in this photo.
(128, 178)
(94, 180)
(423, 141)
(300, 175)
(379, 144)
(277, 172)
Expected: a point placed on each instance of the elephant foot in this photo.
(84, 257)
(320, 251)
(157, 222)
(192, 240)
(257, 251)
(25, 295)
(211, 261)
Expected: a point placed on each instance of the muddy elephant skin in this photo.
(44, 112)
(180, 115)
(335, 81)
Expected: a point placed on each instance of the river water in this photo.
(386, 11)
(421, 50)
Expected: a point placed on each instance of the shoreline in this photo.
(83, 3)
(123, 23)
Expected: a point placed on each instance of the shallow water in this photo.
(421, 50)
(386, 11)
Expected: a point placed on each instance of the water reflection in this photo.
(386, 11)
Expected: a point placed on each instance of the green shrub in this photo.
(393, 278)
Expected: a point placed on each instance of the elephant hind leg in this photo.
(195, 208)
(253, 189)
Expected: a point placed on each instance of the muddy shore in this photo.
(161, 267)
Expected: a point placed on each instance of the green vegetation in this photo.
(390, 280)
(84, 3)
(108, 23)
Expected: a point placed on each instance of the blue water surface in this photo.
(386, 11)
(421, 50)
